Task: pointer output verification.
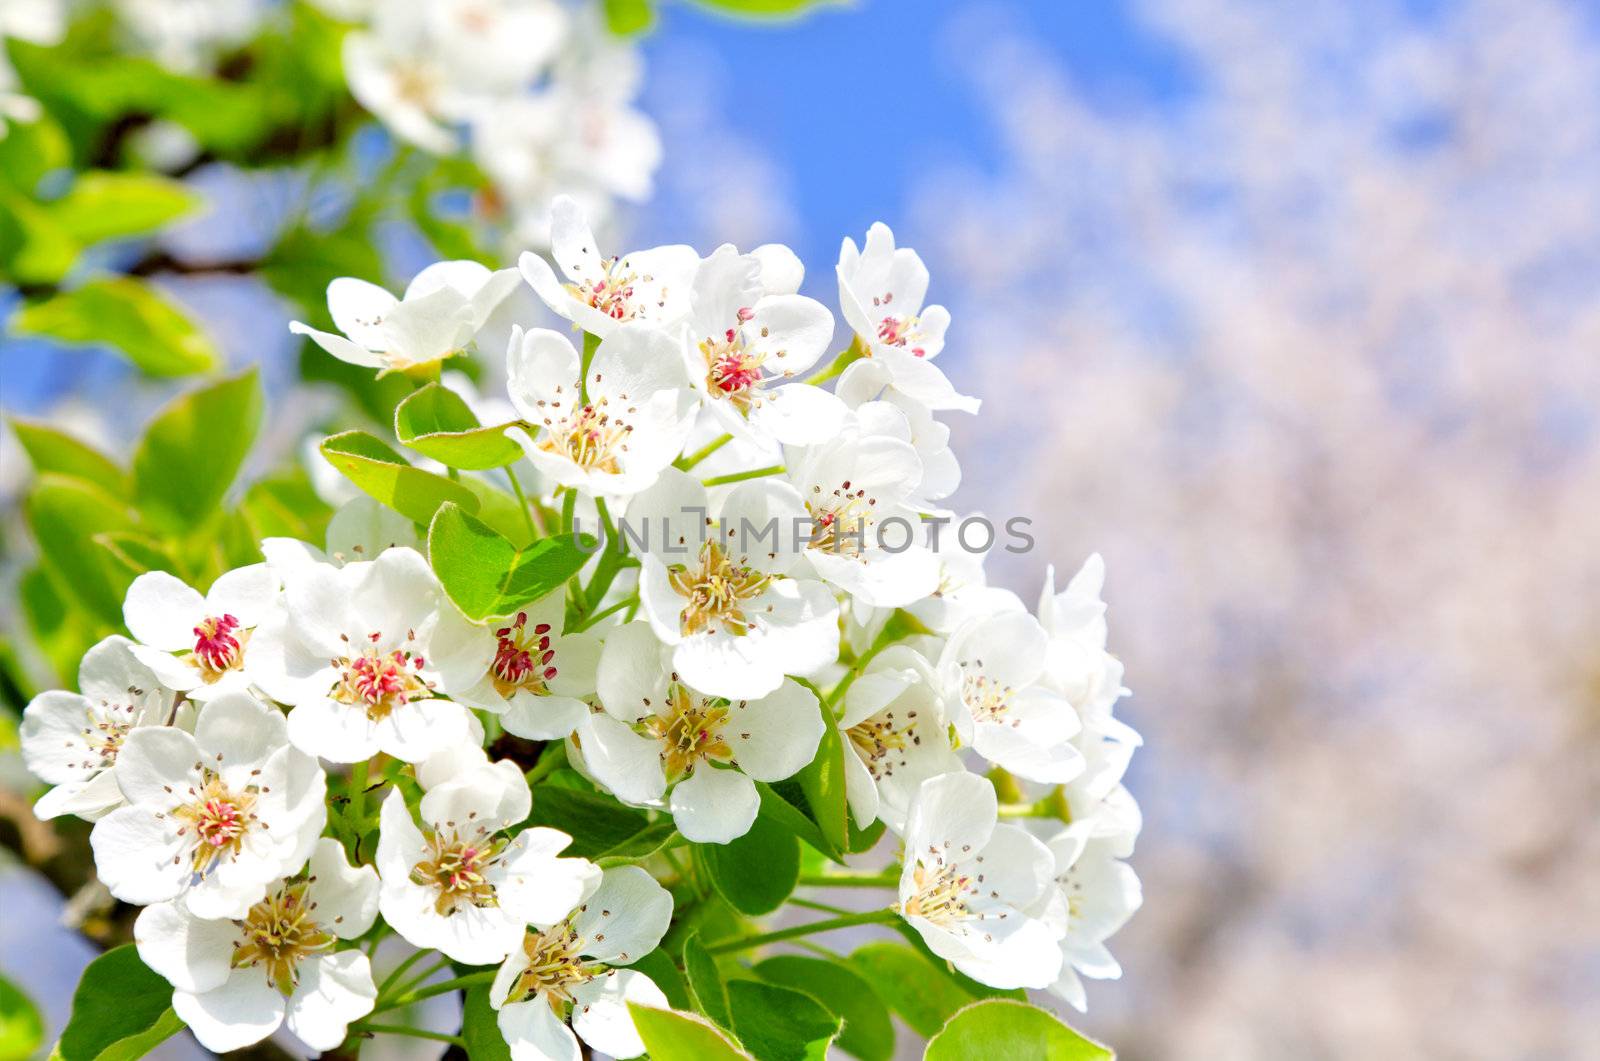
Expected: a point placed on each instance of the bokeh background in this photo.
(1292, 311)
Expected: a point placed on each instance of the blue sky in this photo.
(853, 101)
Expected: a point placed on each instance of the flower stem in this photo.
(399, 971)
(869, 917)
(402, 1029)
(522, 499)
(847, 357)
(688, 461)
(411, 983)
(738, 477)
(457, 984)
(551, 759)
(626, 602)
(886, 879)
(901, 624)
(358, 791)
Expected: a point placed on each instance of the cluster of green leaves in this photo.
(177, 506)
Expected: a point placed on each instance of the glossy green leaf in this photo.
(672, 1035)
(599, 825)
(387, 477)
(286, 506)
(963, 982)
(757, 871)
(193, 450)
(502, 512)
(657, 965)
(779, 1024)
(1004, 1028)
(480, 1029)
(65, 515)
(21, 1026)
(136, 553)
(781, 802)
(822, 781)
(31, 151)
(909, 984)
(437, 422)
(106, 205)
(130, 315)
(485, 575)
(868, 1032)
(706, 984)
(34, 249)
(120, 1011)
(51, 450)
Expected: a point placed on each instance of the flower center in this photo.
(902, 331)
(379, 683)
(840, 519)
(219, 819)
(456, 867)
(732, 370)
(590, 437)
(876, 739)
(278, 934)
(986, 699)
(716, 591)
(218, 646)
(554, 965)
(611, 292)
(523, 659)
(108, 727)
(690, 731)
(940, 894)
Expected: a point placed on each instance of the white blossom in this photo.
(235, 981)
(895, 736)
(363, 652)
(459, 884)
(1092, 896)
(969, 884)
(575, 971)
(212, 817)
(200, 645)
(658, 733)
(538, 676)
(71, 740)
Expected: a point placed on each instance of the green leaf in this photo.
(757, 871)
(599, 825)
(436, 422)
(777, 1024)
(638, 847)
(21, 1027)
(33, 248)
(868, 1032)
(120, 1011)
(823, 783)
(31, 151)
(387, 477)
(782, 802)
(672, 1035)
(64, 516)
(657, 965)
(479, 1028)
(56, 451)
(861, 840)
(193, 449)
(136, 553)
(130, 315)
(105, 205)
(706, 985)
(911, 986)
(1004, 1028)
(963, 982)
(485, 575)
(628, 17)
(286, 506)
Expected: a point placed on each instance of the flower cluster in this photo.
(696, 661)
(540, 91)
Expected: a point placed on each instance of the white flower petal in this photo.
(334, 989)
(600, 1011)
(162, 611)
(775, 736)
(625, 918)
(534, 1033)
(193, 954)
(243, 1011)
(715, 806)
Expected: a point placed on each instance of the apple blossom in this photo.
(199, 645)
(657, 732)
(1093, 895)
(211, 817)
(458, 884)
(71, 740)
(538, 675)
(576, 971)
(721, 594)
(969, 884)
(235, 981)
(442, 309)
(895, 736)
(363, 651)
(602, 294)
(612, 432)
(991, 670)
